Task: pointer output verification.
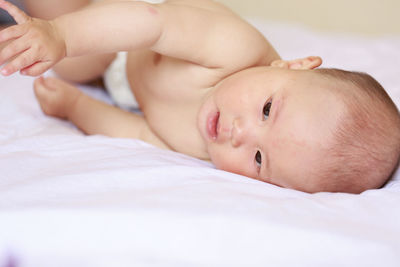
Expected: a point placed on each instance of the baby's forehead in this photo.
(315, 86)
(309, 115)
(311, 80)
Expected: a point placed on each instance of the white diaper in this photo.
(117, 85)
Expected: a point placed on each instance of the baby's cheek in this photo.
(220, 159)
(231, 163)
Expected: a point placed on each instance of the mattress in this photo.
(67, 199)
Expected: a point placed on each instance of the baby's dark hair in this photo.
(365, 148)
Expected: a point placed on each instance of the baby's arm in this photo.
(101, 28)
(202, 32)
(204, 36)
(39, 44)
(60, 99)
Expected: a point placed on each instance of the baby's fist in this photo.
(32, 46)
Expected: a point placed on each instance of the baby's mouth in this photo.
(212, 126)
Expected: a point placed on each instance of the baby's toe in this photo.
(39, 87)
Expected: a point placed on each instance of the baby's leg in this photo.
(83, 69)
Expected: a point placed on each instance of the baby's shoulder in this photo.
(214, 36)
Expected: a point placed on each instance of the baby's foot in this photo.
(56, 97)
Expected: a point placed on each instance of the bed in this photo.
(67, 199)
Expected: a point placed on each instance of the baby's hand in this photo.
(35, 45)
(56, 97)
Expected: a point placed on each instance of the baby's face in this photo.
(270, 124)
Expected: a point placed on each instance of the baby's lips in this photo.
(224, 133)
(212, 124)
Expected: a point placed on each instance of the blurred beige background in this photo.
(370, 17)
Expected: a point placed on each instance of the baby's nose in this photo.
(240, 132)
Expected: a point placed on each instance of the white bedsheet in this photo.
(72, 200)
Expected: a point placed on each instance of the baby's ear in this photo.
(306, 63)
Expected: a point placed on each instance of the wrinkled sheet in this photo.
(67, 199)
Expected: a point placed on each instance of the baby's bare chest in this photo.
(154, 77)
(170, 92)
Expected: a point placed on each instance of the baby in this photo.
(210, 86)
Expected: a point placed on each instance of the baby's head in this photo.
(303, 128)
(365, 146)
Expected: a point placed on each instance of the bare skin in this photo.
(155, 74)
(179, 83)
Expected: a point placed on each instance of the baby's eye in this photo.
(266, 109)
(258, 159)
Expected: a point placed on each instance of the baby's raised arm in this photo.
(205, 34)
(202, 35)
(39, 44)
(202, 32)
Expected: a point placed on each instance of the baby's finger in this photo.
(11, 32)
(36, 69)
(14, 48)
(22, 61)
(18, 15)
